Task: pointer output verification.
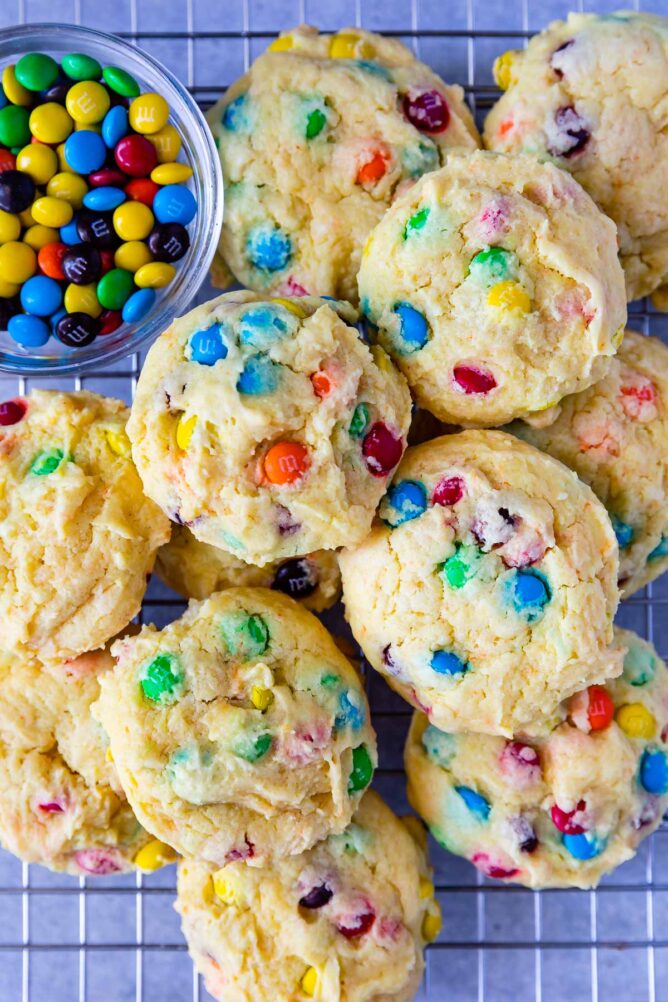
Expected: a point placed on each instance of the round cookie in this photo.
(315, 141)
(239, 731)
(346, 920)
(61, 803)
(562, 810)
(485, 592)
(615, 436)
(495, 286)
(268, 427)
(196, 570)
(77, 536)
(589, 92)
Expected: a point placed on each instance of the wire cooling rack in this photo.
(117, 939)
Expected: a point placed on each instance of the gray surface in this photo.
(117, 939)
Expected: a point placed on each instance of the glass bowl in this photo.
(198, 151)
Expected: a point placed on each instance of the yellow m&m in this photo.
(154, 855)
(349, 46)
(167, 143)
(132, 255)
(18, 262)
(10, 226)
(87, 102)
(636, 721)
(15, 92)
(155, 275)
(184, 430)
(148, 113)
(38, 236)
(50, 123)
(510, 297)
(39, 162)
(171, 173)
(133, 220)
(70, 187)
(52, 211)
(82, 299)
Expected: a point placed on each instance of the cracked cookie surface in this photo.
(495, 286)
(486, 590)
(315, 141)
(268, 426)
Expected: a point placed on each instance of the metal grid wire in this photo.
(64, 939)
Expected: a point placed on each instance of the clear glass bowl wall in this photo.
(198, 150)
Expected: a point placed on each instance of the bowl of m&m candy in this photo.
(111, 198)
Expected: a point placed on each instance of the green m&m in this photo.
(162, 679)
(79, 66)
(35, 71)
(245, 636)
(362, 770)
(252, 747)
(47, 461)
(120, 81)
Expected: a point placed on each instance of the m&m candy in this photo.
(94, 207)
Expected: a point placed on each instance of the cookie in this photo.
(615, 436)
(486, 590)
(562, 810)
(315, 141)
(77, 536)
(61, 803)
(239, 731)
(589, 92)
(268, 427)
(346, 920)
(495, 286)
(196, 570)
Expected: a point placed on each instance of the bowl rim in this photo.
(70, 364)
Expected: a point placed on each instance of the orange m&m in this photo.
(285, 463)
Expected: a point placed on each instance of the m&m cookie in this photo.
(77, 536)
(561, 810)
(346, 920)
(485, 591)
(589, 93)
(615, 436)
(268, 426)
(197, 569)
(258, 727)
(315, 141)
(61, 803)
(495, 286)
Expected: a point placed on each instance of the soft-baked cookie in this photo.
(61, 803)
(345, 921)
(239, 731)
(495, 286)
(268, 427)
(486, 590)
(590, 92)
(77, 535)
(563, 810)
(615, 436)
(315, 140)
(197, 569)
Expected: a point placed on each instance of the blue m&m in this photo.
(269, 248)
(448, 663)
(264, 325)
(624, 532)
(653, 770)
(115, 125)
(529, 593)
(583, 846)
(413, 328)
(208, 346)
(259, 376)
(85, 151)
(138, 305)
(476, 803)
(404, 501)
(351, 710)
(41, 296)
(175, 204)
(29, 331)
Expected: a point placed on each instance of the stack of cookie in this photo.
(481, 569)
